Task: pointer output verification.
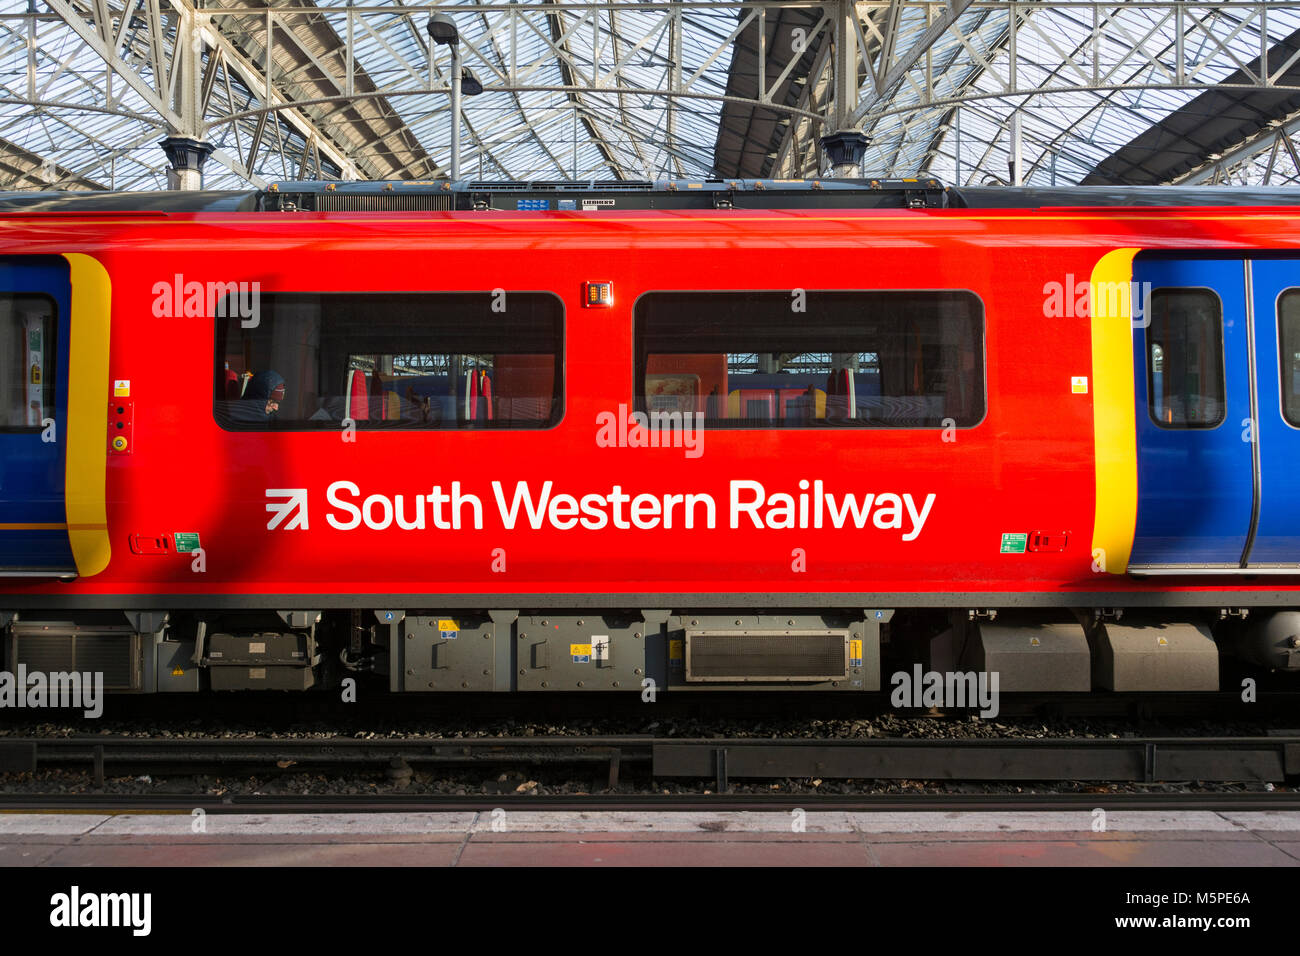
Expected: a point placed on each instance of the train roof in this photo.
(480, 195)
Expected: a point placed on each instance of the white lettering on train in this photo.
(811, 510)
(538, 507)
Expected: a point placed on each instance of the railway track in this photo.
(1270, 759)
(184, 804)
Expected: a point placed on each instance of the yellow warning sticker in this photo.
(676, 649)
(855, 653)
(121, 388)
(1162, 641)
(580, 650)
(178, 672)
(1035, 642)
(1079, 384)
(448, 625)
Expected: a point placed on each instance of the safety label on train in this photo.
(748, 504)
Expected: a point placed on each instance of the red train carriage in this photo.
(711, 435)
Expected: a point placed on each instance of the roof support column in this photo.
(187, 148)
(1015, 152)
(186, 156)
(845, 145)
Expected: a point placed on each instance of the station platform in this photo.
(552, 838)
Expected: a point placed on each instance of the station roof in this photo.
(1138, 92)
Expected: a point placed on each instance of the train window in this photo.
(1185, 359)
(812, 359)
(26, 361)
(1288, 321)
(390, 360)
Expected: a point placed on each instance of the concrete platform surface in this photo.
(506, 838)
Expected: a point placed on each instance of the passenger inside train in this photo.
(394, 361)
(260, 402)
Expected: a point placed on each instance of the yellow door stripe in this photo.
(87, 430)
(1114, 427)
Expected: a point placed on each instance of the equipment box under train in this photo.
(268, 661)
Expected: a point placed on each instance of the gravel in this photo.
(877, 726)
(540, 782)
(561, 780)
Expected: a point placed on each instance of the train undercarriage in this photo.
(648, 651)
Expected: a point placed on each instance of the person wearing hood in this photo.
(261, 402)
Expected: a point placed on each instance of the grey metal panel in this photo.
(149, 625)
(436, 657)
(550, 652)
(91, 202)
(274, 677)
(173, 656)
(999, 760)
(265, 661)
(1156, 657)
(1033, 657)
(1006, 198)
(391, 620)
(858, 624)
(739, 193)
(505, 648)
(742, 655)
(655, 629)
(1227, 764)
(255, 650)
(113, 652)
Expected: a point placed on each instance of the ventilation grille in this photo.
(381, 202)
(766, 655)
(116, 656)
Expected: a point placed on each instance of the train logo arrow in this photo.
(296, 505)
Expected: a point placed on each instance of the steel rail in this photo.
(184, 804)
(1256, 759)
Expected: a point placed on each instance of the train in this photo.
(650, 437)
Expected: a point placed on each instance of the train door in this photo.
(1275, 295)
(35, 301)
(1194, 409)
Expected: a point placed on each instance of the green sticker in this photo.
(1014, 543)
(188, 542)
